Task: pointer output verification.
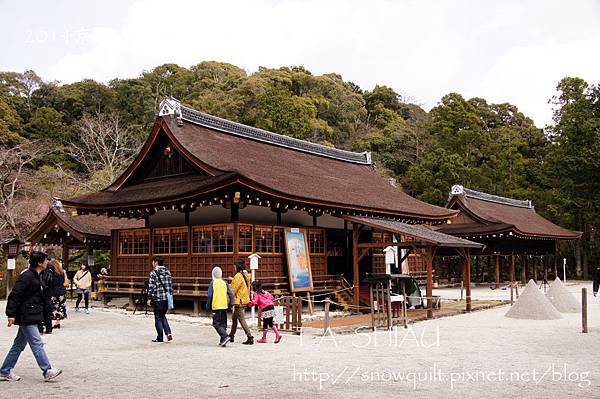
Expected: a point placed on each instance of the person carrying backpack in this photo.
(160, 285)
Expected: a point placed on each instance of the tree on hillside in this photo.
(17, 187)
(574, 164)
(104, 148)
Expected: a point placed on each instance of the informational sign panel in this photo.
(10, 265)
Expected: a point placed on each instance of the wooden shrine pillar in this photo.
(467, 279)
(90, 256)
(355, 279)
(523, 270)
(497, 269)
(65, 256)
(512, 276)
(555, 265)
(429, 252)
(534, 265)
(545, 268)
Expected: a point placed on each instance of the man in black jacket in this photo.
(596, 281)
(26, 305)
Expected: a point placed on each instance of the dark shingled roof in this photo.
(249, 132)
(499, 214)
(155, 191)
(81, 226)
(419, 232)
(292, 168)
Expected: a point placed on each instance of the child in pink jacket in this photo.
(264, 300)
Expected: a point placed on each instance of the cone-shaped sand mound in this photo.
(562, 299)
(533, 305)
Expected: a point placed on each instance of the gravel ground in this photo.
(108, 354)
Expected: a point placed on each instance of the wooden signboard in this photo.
(298, 260)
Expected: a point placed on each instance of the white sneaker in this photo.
(87, 311)
(10, 376)
(51, 374)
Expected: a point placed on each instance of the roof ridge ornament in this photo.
(171, 106)
(56, 204)
(460, 190)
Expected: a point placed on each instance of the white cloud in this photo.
(510, 51)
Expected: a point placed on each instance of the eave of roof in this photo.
(501, 212)
(419, 232)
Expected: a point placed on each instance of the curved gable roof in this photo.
(292, 168)
(504, 212)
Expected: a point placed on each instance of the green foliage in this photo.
(488, 147)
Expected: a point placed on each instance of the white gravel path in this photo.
(108, 354)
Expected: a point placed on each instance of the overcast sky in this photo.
(504, 51)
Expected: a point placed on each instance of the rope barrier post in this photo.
(511, 294)
(584, 324)
(517, 290)
(326, 321)
(310, 303)
(462, 287)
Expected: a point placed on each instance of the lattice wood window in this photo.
(222, 236)
(263, 239)
(245, 238)
(202, 240)
(278, 245)
(161, 241)
(316, 241)
(179, 241)
(134, 242)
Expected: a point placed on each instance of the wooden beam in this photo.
(363, 253)
(355, 279)
(412, 244)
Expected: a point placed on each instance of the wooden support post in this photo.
(584, 324)
(512, 268)
(523, 270)
(497, 269)
(467, 279)
(429, 260)
(546, 268)
(389, 304)
(404, 316)
(534, 265)
(511, 294)
(196, 306)
(355, 276)
(555, 264)
(372, 308)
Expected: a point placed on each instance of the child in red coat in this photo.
(264, 300)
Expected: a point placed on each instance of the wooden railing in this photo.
(198, 286)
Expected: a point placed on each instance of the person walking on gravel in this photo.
(220, 298)
(25, 308)
(241, 294)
